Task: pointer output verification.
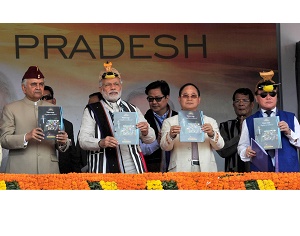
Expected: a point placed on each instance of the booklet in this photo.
(267, 132)
(50, 119)
(191, 123)
(261, 158)
(125, 127)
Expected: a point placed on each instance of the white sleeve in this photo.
(294, 137)
(244, 142)
(86, 137)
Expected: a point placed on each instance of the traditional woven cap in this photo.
(33, 72)
(266, 83)
(109, 72)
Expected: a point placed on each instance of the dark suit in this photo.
(155, 162)
(230, 131)
(81, 156)
(68, 161)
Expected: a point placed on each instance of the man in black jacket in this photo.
(69, 161)
(230, 130)
(158, 94)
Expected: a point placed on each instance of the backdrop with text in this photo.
(219, 58)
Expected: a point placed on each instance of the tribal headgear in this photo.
(109, 73)
(266, 83)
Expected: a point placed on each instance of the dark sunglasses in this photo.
(157, 99)
(47, 97)
(265, 94)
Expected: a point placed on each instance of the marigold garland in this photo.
(154, 185)
(2, 185)
(147, 181)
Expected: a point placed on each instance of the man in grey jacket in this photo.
(29, 152)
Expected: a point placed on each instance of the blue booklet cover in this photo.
(125, 128)
(50, 119)
(190, 123)
(261, 158)
(267, 132)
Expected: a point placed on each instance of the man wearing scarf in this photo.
(96, 135)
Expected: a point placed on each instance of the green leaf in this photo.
(94, 185)
(12, 185)
(169, 185)
(251, 185)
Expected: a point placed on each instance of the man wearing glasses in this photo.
(158, 94)
(243, 103)
(284, 159)
(191, 156)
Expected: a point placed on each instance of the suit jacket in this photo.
(18, 118)
(156, 162)
(230, 131)
(68, 160)
(181, 152)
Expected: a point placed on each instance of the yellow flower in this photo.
(108, 185)
(154, 185)
(2, 185)
(266, 184)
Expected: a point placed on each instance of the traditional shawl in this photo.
(109, 160)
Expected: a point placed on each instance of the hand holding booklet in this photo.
(267, 132)
(50, 119)
(190, 123)
(125, 128)
(261, 158)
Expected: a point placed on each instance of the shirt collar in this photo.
(163, 117)
(263, 110)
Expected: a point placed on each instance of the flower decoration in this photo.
(153, 181)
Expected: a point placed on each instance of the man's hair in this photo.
(244, 91)
(163, 85)
(189, 84)
(46, 87)
(96, 94)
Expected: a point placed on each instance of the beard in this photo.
(112, 97)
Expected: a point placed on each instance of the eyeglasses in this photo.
(265, 94)
(237, 101)
(47, 97)
(157, 99)
(186, 96)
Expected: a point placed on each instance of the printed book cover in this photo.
(191, 122)
(50, 119)
(125, 128)
(267, 132)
